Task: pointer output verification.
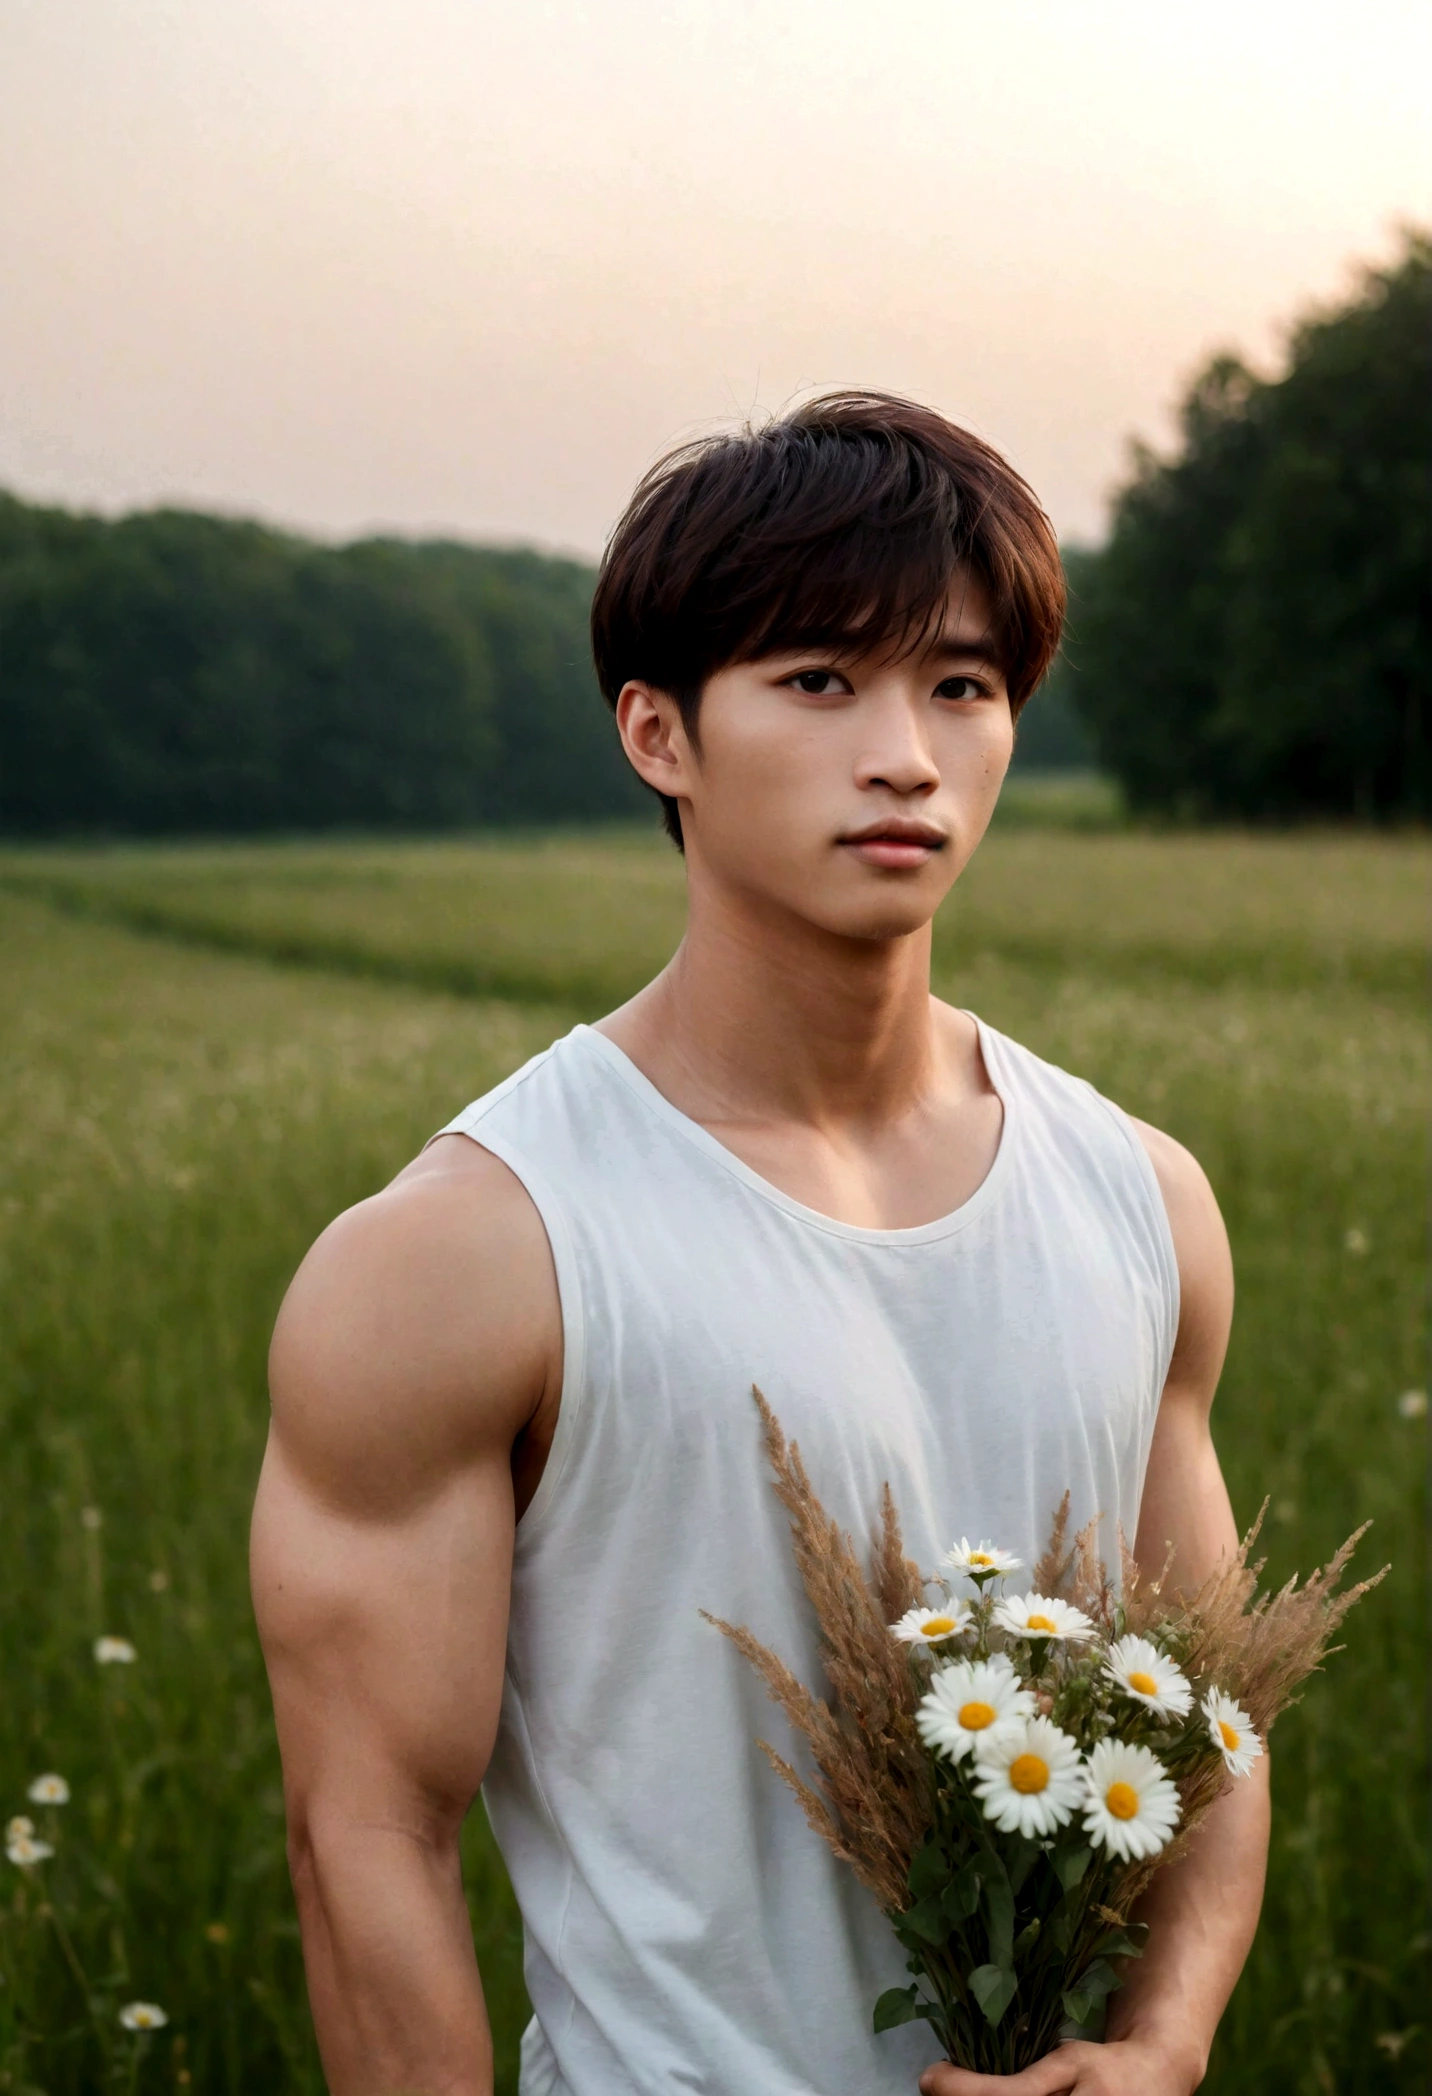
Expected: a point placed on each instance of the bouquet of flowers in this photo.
(1005, 1772)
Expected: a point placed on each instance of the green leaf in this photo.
(1099, 1979)
(1123, 1943)
(1022, 1857)
(927, 1920)
(1026, 1939)
(898, 2005)
(929, 1871)
(962, 1894)
(1079, 2008)
(1070, 1865)
(993, 1988)
(999, 1910)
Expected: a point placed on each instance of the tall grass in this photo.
(176, 1129)
(179, 1121)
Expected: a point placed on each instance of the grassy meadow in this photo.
(210, 1050)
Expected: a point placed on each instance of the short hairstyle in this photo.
(841, 523)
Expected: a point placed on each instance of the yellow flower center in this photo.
(1143, 1684)
(1028, 1774)
(938, 1626)
(980, 1557)
(1041, 1623)
(975, 1716)
(1231, 1739)
(1122, 1800)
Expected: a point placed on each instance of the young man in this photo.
(514, 1452)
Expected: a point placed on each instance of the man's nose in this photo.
(897, 751)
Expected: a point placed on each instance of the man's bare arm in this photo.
(420, 1340)
(1203, 1910)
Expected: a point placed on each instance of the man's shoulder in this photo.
(1062, 1094)
(1188, 1196)
(1195, 1219)
(427, 1314)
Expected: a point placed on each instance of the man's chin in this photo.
(879, 919)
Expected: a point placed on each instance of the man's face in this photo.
(848, 791)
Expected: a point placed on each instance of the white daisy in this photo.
(1150, 1677)
(931, 1626)
(1132, 1808)
(142, 2015)
(967, 1702)
(26, 1851)
(1029, 1776)
(20, 1824)
(49, 1790)
(1037, 1616)
(114, 1652)
(1231, 1731)
(980, 1561)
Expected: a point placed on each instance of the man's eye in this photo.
(817, 684)
(960, 688)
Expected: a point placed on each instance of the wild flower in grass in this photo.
(114, 1652)
(1150, 1677)
(1029, 1776)
(980, 1561)
(1356, 1242)
(1038, 1616)
(1412, 1404)
(142, 2016)
(1231, 1730)
(1132, 1808)
(24, 1850)
(967, 1702)
(49, 1790)
(931, 1626)
(20, 1824)
(91, 1518)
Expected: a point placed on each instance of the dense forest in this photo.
(172, 672)
(1255, 639)
(1253, 642)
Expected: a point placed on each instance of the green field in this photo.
(208, 1052)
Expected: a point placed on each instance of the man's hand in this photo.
(1133, 2066)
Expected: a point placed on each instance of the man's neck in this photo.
(763, 1017)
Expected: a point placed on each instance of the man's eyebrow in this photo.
(979, 647)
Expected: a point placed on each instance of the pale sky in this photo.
(449, 265)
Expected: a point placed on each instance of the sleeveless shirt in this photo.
(684, 1927)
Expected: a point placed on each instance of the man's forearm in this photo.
(1202, 1911)
(392, 1978)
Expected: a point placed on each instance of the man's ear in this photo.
(655, 738)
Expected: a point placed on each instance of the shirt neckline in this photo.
(656, 1102)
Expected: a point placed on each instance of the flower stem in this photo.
(71, 1958)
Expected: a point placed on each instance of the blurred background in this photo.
(332, 340)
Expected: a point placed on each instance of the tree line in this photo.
(1253, 642)
(172, 672)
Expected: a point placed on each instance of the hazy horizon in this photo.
(455, 271)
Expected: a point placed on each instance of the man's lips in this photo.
(895, 843)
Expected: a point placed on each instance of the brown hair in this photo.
(841, 523)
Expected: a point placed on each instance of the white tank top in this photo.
(684, 1928)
